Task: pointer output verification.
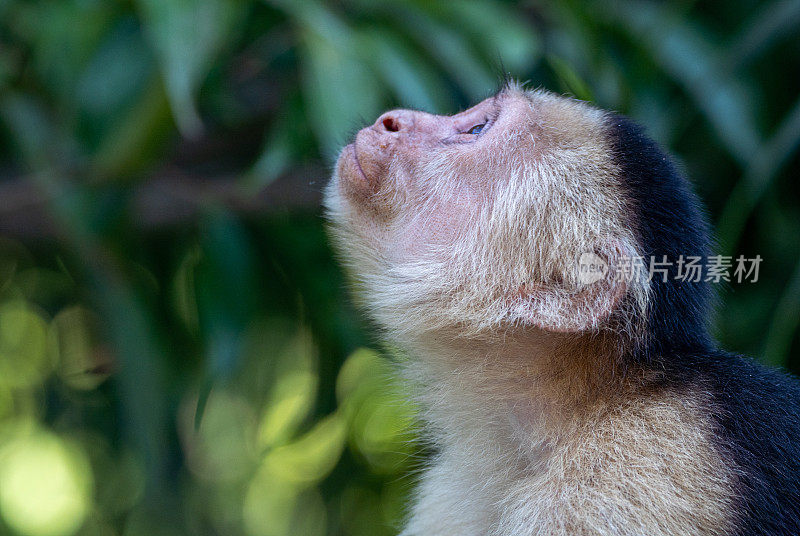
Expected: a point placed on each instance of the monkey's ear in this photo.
(601, 287)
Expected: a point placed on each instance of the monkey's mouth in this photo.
(358, 167)
(353, 179)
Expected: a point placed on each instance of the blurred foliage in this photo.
(171, 371)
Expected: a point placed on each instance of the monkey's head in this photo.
(527, 210)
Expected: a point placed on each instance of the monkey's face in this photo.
(477, 220)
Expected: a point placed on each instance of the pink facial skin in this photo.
(408, 136)
(414, 181)
(476, 221)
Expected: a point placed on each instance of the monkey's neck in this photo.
(517, 386)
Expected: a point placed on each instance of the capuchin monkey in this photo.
(559, 399)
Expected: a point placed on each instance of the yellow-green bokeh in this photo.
(45, 485)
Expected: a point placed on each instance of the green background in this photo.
(177, 350)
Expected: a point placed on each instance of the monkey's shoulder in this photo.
(713, 449)
(755, 413)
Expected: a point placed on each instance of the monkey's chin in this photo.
(352, 179)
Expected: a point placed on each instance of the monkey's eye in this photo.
(476, 129)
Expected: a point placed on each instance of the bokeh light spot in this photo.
(291, 400)
(310, 458)
(380, 416)
(271, 510)
(24, 360)
(381, 431)
(362, 370)
(82, 363)
(222, 450)
(45, 485)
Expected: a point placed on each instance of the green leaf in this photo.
(225, 291)
(763, 169)
(784, 324)
(61, 37)
(694, 62)
(33, 133)
(187, 36)
(775, 21)
(135, 137)
(497, 30)
(275, 159)
(572, 81)
(117, 73)
(452, 50)
(338, 91)
(415, 83)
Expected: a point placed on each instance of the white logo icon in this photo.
(591, 268)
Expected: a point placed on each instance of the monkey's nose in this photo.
(395, 121)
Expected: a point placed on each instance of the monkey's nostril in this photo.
(390, 124)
